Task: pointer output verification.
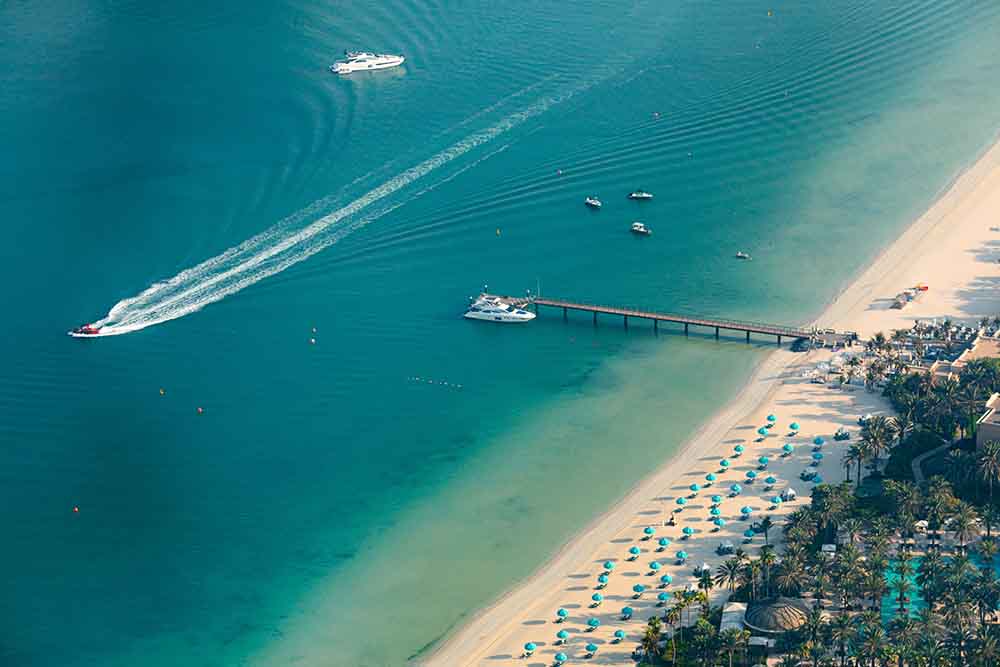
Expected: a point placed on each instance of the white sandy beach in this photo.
(954, 248)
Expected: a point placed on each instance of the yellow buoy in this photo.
(498, 231)
(163, 392)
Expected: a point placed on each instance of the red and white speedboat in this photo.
(85, 331)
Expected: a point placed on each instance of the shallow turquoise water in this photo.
(328, 507)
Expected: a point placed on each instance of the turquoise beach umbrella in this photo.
(770, 479)
(529, 647)
(666, 579)
(591, 648)
(682, 555)
(749, 533)
(594, 622)
(648, 530)
(695, 487)
(794, 426)
(762, 431)
(776, 500)
(627, 612)
(763, 460)
(654, 566)
(562, 634)
(720, 522)
(597, 597)
(716, 499)
(681, 501)
(746, 509)
(609, 565)
(715, 511)
(788, 448)
(818, 441)
(562, 613)
(561, 658)
(688, 530)
(664, 542)
(751, 474)
(738, 449)
(619, 635)
(724, 463)
(663, 597)
(638, 588)
(772, 418)
(736, 488)
(818, 456)
(710, 477)
(635, 551)
(603, 579)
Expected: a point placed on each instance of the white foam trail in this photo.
(280, 247)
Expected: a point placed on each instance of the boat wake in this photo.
(294, 239)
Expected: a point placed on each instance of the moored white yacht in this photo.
(592, 202)
(639, 228)
(486, 307)
(640, 194)
(742, 255)
(363, 61)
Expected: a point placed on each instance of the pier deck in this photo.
(741, 326)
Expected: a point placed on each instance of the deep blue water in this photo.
(329, 508)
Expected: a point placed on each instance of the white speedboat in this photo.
(639, 228)
(742, 255)
(640, 194)
(362, 61)
(592, 202)
(490, 308)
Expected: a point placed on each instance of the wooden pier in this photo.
(744, 327)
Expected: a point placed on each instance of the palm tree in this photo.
(732, 640)
(902, 425)
(853, 456)
(767, 560)
(728, 574)
(751, 576)
(959, 467)
(842, 632)
(904, 572)
(877, 434)
(764, 526)
(791, 576)
(988, 466)
(964, 525)
(929, 576)
(651, 640)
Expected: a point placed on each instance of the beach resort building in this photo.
(988, 426)
(984, 347)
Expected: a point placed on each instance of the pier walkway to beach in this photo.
(828, 337)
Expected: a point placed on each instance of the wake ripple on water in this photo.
(286, 243)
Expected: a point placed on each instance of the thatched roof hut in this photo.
(776, 615)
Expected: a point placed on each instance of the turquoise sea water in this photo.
(329, 508)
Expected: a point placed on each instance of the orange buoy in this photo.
(76, 509)
(201, 411)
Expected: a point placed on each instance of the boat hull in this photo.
(346, 68)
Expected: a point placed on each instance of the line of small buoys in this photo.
(443, 383)
(312, 340)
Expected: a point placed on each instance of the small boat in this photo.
(592, 202)
(84, 331)
(640, 194)
(639, 228)
(742, 255)
(361, 61)
(486, 307)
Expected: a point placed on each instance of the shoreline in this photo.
(935, 242)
